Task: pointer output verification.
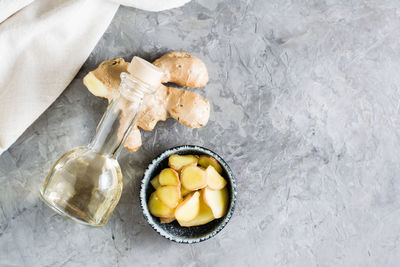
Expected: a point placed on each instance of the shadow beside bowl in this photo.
(173, 231)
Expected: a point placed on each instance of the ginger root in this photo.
(183, 69)
(188, 108)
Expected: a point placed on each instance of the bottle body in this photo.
(84, 185)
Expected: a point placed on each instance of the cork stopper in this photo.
(145, 71)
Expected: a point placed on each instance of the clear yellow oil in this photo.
(84, 185)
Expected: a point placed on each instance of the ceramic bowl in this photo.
(173, 231)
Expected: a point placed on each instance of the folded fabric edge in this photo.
(111, 10)
(10, 7)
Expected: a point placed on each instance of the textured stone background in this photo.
(305, 108)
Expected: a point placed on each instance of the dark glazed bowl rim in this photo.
(148, 174)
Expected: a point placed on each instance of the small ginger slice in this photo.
(189, 208)
(167, 220)
(193, 178)
(170, 195)
(214, 180)
(205, 161)
(154, 182)
(169, 176)
(183, 69)
(185, 191)
(176, 162)
(205, 216)
(158, 208)
(217, 200)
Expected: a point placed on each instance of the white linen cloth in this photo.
(43, 44)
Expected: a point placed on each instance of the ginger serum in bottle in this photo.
(85, 184)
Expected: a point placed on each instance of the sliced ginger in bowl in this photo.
(155, 182)
(189, 208)
(193, 178)
(205, 161)
(217, 200)
(185, 191)
(167, 219)
(170, 195)
(168, 176)
(204, 216)
(177, 162)
(192, 191)
(214, 180)
(158, 208)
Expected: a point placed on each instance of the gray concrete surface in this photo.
(305, 109)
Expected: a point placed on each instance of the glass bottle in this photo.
(85, 184)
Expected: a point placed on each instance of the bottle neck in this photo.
(120, 117)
